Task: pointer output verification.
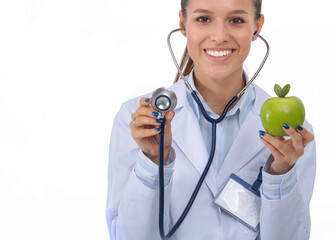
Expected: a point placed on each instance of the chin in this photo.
(219, 73)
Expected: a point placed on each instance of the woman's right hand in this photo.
(145, 129)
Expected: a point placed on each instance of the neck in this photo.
(219, 91)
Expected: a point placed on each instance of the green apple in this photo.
(279, 110)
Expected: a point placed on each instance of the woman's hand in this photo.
(286, 152)
(145, 129)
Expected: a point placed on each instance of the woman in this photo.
(219, 35)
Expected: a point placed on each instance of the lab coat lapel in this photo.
(246, 145)
(187, 136)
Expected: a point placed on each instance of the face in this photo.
(219, 35)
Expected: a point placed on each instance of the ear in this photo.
(182, 23)
(258, 26)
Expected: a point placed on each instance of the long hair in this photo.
(186, 65)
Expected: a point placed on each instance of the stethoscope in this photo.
(164, 100)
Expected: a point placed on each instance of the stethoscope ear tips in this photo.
(184, 31)
(163, 100)
(255, 35)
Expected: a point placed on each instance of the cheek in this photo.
(245, 41)
(194, 38)
(194, 41)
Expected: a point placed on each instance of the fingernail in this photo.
(262, 133)
(285, 126)
(147, 100)
(155, 114)
(299, 128)
(159, 120)
(157, 129)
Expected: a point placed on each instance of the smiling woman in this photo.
(229, 204)
(219, 41)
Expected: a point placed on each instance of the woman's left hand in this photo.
(286, 152)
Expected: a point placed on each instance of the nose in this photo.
(219, 33)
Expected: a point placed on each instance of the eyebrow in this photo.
(240, 11)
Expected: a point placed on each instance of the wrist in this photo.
(155, 158)
(279, 169)
(166, 155)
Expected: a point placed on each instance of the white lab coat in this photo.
(132, 207)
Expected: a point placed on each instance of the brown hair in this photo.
(187, 63)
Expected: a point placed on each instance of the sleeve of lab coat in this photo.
(288, 217)
(132, 207)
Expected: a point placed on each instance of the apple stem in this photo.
(281, 92)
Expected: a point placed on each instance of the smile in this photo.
(219, 53)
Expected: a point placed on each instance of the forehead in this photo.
(221, 6)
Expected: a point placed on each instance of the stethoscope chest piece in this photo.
(163, 100)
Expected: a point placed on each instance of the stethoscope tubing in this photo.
(205, 171)
(186, 81)
(213, 142)
(161, 180)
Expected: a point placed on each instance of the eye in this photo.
(237, 21)
(203, 19)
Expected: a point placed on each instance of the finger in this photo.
(142, 121)
(280, 138)
(274, 151)
(145, 101)
(307, 136)
(169, 117)
(139, 133)
(145, 111)
(297, 139)
(274, 141)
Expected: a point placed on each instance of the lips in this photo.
(219, 53)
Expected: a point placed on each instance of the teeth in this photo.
(219, 53)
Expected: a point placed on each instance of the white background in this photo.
(67, 65)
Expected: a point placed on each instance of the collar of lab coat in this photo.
(246, 145)
(241, 108)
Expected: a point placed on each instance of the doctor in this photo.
(219, 35)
